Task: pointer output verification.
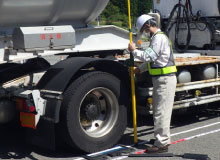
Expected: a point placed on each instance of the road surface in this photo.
(201, 123)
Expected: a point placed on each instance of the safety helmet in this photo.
(142, 20)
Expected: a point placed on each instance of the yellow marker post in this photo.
(132, 79)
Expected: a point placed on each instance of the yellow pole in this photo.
(132, 79)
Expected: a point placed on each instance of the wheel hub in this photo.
(92, 111)
(98, 112)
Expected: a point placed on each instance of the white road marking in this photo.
(98, 153)
(181, 140)
(196, 136)
(119, 158)
(195, 129)
(184, 139)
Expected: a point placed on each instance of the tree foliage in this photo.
(116, 11)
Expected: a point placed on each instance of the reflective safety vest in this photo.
(156, 70)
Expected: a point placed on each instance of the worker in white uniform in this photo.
(158, 59)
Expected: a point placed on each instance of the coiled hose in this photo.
(181, 10)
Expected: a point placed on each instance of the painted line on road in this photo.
(196, 136)
(195, 129)
(116, 148)
(174, 142)
(119, 158)
(142, 151)
(101, 152)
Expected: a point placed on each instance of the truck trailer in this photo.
(83, 100)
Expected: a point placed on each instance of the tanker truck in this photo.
(83, 100)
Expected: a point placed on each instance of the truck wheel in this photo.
(93, 112)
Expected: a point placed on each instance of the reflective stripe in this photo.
(151, 53)
(161, 71)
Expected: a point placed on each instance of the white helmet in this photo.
(142, 20)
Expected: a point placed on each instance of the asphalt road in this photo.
(205, 123)
(199, 128)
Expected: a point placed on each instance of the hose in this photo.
(185, 15)
(170, 24)
(199, 27)
(196, 18)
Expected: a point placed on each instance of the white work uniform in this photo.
(163, 88)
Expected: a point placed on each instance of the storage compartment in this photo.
(44, 37)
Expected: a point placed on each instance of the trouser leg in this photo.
(163, 98)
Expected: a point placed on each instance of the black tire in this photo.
(93, 112)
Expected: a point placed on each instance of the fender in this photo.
(59, 76)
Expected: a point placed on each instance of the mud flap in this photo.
(43, 136)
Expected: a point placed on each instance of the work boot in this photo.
(152, 141)
(154, 149)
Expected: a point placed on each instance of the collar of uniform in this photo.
(158, 30)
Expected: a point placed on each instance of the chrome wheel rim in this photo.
(98, 113)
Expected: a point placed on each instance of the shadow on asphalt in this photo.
(13, 144)
(195, 114)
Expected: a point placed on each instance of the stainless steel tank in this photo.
(49, 12)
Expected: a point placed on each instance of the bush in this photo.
(116, 12)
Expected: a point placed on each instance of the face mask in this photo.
(146, 34)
